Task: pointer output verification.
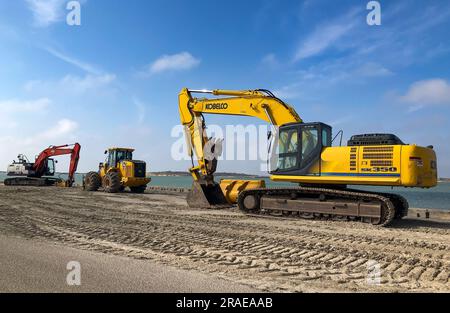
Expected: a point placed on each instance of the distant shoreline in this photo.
(218, 174)
(186, 174)
(179, 174)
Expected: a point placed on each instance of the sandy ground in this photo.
(269, 254)
(28, 265)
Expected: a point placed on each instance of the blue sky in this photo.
(114, 80)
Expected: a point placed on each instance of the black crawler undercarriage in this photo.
(31, 181)
(325, 203)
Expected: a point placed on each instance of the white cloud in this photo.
(20, 106)
(62, 128)
(89, 68)
(325, 36)
(427, 92)
(175, 62)
(82, 84)
(341, 121)
(320, 40)
(46, 12)
(270, 60)
(141, 109)
(373, 70)
(311, 81)
(71, 84)
(13, 109)
(12, 144)
(365, 55)
(141, 127)
(288, 92)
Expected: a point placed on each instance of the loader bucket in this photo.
(204, 196)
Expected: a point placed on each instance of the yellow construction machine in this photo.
(118, 172)
(305, 155)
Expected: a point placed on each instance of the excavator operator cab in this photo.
(50, 167)
(300, 146)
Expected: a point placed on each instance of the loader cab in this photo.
(116, 155)
(300, 146)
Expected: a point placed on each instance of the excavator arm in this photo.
(73, 150)
(261, 104)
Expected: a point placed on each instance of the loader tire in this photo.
(140, 189)
(111, 182)
(92, 181)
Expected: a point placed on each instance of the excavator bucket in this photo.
(204, 196)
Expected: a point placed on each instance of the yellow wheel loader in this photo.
(118, 172)
(304, 155)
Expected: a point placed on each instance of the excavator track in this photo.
(29, 181)
(400, 203)
(321, 203)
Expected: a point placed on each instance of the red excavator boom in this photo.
(73, 150)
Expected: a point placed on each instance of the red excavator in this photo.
(41, 172)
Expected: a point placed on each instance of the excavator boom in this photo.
(255, 103)
(261, 104)
(73, 150)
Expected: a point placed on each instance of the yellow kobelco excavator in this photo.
(305, 155)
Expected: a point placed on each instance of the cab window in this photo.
(300, 146)
(326, 137)
(50, 170)
(288, 150)
(124, 155)
(310, 140)
(112, 158)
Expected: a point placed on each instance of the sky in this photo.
(114, 80)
